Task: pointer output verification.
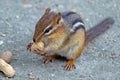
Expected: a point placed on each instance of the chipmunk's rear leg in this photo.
(50, 58)
(76, 49)
(70, 65)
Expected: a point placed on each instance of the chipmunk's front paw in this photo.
(50, 58)
(37, 48)
(70, 65)
(40, 51)
(29, 46)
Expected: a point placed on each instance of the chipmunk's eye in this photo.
(48, 29)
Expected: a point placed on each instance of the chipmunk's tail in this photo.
(98, 29)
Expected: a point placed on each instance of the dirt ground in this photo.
(100, 60)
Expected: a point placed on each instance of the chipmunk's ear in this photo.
(47, 10)
(57, 18)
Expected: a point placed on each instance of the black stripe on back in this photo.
(77, 20)
(68, 14)
(79, 27)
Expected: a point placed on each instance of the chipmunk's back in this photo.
(73, 20)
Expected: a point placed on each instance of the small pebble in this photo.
(17, 16)
(103, 49)
(1, 42)
(30, 76)
(87, 19)
(59, 5)
(52, 75)
(9, 25)
(83, 76)
(3, 35)
(27, 5)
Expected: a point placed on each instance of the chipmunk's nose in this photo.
(33, 39)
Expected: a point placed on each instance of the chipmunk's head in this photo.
(47, 25)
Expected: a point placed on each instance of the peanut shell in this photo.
(7, 56)
(6, 68)
(37, 46)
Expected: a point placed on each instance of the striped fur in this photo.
(73, 20)
(77, 24)
(63, 34)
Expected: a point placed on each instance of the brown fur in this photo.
(82, 41)
(60, 40)
(45, 20)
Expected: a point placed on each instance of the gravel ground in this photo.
(100, 59)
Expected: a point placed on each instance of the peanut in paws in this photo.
(35, 46)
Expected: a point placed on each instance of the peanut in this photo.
(6, 68)
(37, 45)
(7, 56)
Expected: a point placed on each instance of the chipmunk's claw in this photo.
(50, 58)
(70, 65)
(29, 46)
(40, 51)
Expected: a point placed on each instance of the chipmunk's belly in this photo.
(76, 46)
(71, 52)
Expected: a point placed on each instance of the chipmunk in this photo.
(64, 34)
